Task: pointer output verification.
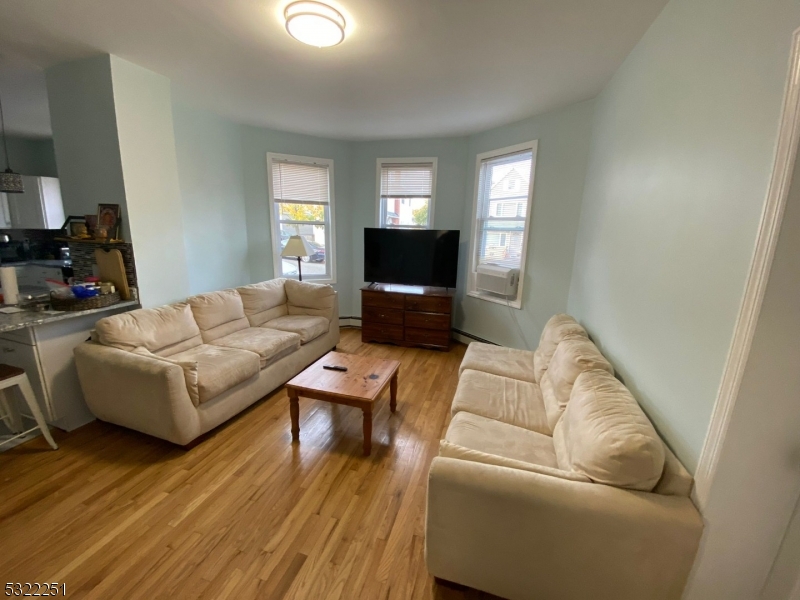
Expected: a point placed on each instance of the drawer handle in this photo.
(7, 350)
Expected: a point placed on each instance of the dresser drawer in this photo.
(429, 337)
(377, 315)
(425, 320)
(381, 299)
(373, 332)
(434, 304)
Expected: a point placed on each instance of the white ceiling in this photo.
(408, 68)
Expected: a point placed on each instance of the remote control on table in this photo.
(334, 368)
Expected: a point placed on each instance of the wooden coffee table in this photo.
(360, 386)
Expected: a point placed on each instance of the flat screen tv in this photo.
(411, 256)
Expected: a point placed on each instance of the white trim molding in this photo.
(769, 228)
(330, 226)
(472, 290)
(432, 160)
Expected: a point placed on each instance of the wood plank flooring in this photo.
(245, 513)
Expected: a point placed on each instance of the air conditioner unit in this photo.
(497, 280)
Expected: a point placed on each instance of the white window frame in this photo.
(330, 246)
(380, 222)
(473, 254)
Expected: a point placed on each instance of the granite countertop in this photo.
(38, 262)
(29, 318)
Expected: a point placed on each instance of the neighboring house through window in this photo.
(301, 203)
(503, 198)
(406, 188)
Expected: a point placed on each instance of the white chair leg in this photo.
(33, 405)
(11, 417)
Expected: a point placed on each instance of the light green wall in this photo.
(210, 169)
(115, 144)
(143, 105)
(681, 155)
(84, 122)
(451, 154)
(256, 142)
(31, 156)
(558, 187)
(564, 140)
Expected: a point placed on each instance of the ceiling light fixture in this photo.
(314, 23)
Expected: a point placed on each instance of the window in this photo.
(301, 203)
(503, 196)
(406, 192)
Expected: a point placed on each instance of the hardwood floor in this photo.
(244, 513)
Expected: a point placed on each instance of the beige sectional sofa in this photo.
(552, 483)
(178, 371)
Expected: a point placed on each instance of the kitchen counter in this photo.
(38, 263)
(20, 320)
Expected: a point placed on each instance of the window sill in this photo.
(481, 296)
(330, 280)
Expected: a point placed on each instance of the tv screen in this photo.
(411, 256)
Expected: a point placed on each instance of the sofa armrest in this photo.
(520, 534)
(137, 391)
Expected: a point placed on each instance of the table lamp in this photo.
(297, 246)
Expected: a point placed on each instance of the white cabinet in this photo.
(5, 214)
(45, 352)
(38, 207)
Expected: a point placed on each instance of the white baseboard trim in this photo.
(350, 322)
(769, 228)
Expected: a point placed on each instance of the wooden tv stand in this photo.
(407, 315)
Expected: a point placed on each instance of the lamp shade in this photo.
(11, 183)
(297, 246)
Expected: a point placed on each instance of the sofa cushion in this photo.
(605, 435)
(502, 439)
(314, 299)
(270, 344)
(557, 328)
(501, 398)
(218, 368)
(450, 450)
(164, 330)
(498, 360)
(675, 480)
(307, 327)
(264, 301)
(218, 313)
(572, 357)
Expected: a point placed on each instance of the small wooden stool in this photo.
(11, 377)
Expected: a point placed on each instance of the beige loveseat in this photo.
(178, 371)
(551, 483)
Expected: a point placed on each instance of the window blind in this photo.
(503, 188)
(407, 180)
(300, 183)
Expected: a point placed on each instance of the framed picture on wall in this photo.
(108, 217)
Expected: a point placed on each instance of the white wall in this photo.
(143, 105)
(757, 481)
(681, 156)
(209, 152)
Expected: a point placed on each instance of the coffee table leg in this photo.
(393, 392)
(367, 430)
(294, 410)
